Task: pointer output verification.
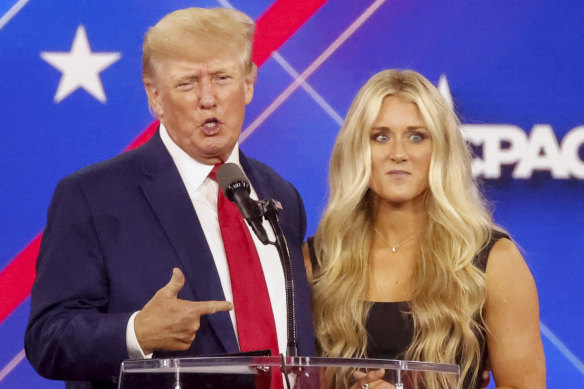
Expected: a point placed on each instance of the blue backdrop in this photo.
(71, 95)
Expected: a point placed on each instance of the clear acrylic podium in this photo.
(254, 372)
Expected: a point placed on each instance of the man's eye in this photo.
(184, 85)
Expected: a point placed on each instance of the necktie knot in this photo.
(213, 173)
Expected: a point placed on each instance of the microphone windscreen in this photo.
(229, 173)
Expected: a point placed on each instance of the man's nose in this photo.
(207, 95)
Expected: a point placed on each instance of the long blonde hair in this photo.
(449, 291)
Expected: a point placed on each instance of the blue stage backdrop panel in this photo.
(512, 69)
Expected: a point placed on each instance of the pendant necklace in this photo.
(394, 247)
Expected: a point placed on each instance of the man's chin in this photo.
(212, 156)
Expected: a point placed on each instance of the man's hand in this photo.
(168, 323)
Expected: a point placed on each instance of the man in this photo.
(118, 230)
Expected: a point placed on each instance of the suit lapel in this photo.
(256, 179)
(165, 191)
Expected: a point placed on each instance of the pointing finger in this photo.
(209, 307)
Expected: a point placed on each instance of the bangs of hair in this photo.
(218, 30)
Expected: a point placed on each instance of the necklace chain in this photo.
(394, 247)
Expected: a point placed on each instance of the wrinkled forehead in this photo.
(200, 57)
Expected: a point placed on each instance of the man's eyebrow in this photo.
(188, 77)
(221, 71)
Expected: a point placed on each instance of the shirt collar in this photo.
(192, 171)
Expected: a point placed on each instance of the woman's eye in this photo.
(380, 138)
(417, 137)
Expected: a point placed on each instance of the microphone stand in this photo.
(270, 210)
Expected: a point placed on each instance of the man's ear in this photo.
(249, 84)
(153, 98)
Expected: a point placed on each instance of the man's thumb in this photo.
(175, 284)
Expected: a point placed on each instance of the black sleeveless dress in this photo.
(390, 328)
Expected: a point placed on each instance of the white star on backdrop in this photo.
(80, 67)
(444, 89)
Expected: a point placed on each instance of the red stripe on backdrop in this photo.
(17, 277)
(273, 28)
(278, 24)
(144, 136)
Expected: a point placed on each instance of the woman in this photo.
(406, 261)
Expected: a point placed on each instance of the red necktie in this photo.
(253, 310)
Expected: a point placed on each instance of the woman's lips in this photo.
(398, 173)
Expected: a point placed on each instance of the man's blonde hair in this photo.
(220, 29)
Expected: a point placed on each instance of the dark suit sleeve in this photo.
(70, 334)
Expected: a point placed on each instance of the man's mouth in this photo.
(211, 126)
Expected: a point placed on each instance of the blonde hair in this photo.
(449, 291)
(218, 28)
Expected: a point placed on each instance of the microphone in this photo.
(235, 186)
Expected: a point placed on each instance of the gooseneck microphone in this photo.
(235, 187)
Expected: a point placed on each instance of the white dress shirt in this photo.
(203, 194)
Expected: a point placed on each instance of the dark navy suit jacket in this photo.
(114, 232)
